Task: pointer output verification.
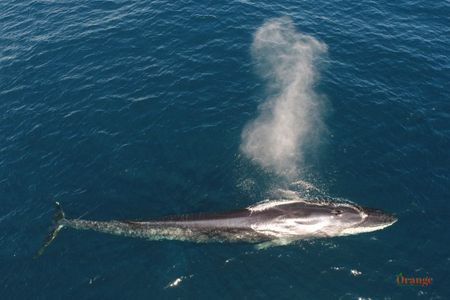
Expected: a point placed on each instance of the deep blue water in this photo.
(135, 109)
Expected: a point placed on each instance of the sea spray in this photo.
(290, 117)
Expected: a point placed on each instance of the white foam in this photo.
(261, 206)
(293, 197)
(290, 118)
(178, 280)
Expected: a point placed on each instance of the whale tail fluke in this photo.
(58, 220)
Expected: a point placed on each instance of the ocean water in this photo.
(139, 109)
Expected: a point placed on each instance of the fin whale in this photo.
(266, 224)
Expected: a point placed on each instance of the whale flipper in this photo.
(273, 243)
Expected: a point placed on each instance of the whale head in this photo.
(340, 219)
(372, 220)
(304, 219)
